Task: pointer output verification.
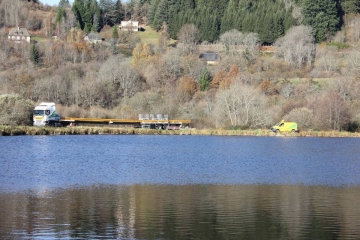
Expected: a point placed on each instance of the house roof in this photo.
(210, 56)
(19, 32)
(93, 36)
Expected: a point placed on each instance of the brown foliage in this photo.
(223, 79)
(268, 88)
(186, 88)
(290, 105)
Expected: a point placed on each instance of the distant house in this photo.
(129, 26)
(93, 37)
(19, 34)
(210, 57)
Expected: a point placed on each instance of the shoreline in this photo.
(88, 130)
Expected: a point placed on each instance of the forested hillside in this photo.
(280, 59)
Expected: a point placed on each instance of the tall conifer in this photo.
(322, 16)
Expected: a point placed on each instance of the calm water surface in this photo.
(179, 187)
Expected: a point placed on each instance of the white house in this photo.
(129, 26)
(19, 34)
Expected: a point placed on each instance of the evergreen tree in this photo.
(279, 28)
(60, 12)
(204, 79)
(229, 19)
(322, 16)
(97, 24)
(161, 15)
(119, 13)
(265, 28)
(111, 12)
(215, 26)
(152, 11)
(79, 11)
(174, 9)
(87, 16)
(289, 21)
(350, 6)
(188, 4)
(34, 54)
(213, 17)
(115, 33)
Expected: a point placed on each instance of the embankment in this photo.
(28, 130)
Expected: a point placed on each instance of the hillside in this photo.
(249, 86)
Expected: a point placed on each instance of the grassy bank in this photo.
(84, 130)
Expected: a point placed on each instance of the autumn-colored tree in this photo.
(75, 35)
(268, 88)
(140, 53)
(218, 78)
(186, 88)
(223, 79)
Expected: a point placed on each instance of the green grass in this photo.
(39, 39)
(339, 45)
(150, 36)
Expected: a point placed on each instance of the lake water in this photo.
(179, 187)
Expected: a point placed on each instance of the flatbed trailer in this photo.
(141, 123)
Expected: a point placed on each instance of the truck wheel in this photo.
(293, 131)
(277, 131)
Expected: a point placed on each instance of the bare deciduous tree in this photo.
(297, 46)
(347, 88)
(192, 66)
(328, 63)
(122, 78)
(129, 80)
(231, 38)
(241, 105)
(352, 64)
(171, 68)
(145, 102)
(12, 12)
(15, 110)
(189, 36)
(236, 42)
(331, 111)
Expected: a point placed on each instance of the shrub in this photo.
(15, 110)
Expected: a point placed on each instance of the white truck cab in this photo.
(45, 115)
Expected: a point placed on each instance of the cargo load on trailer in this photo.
(45, 115)
(285, 127)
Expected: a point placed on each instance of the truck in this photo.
(285, 127)
(45, 115)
